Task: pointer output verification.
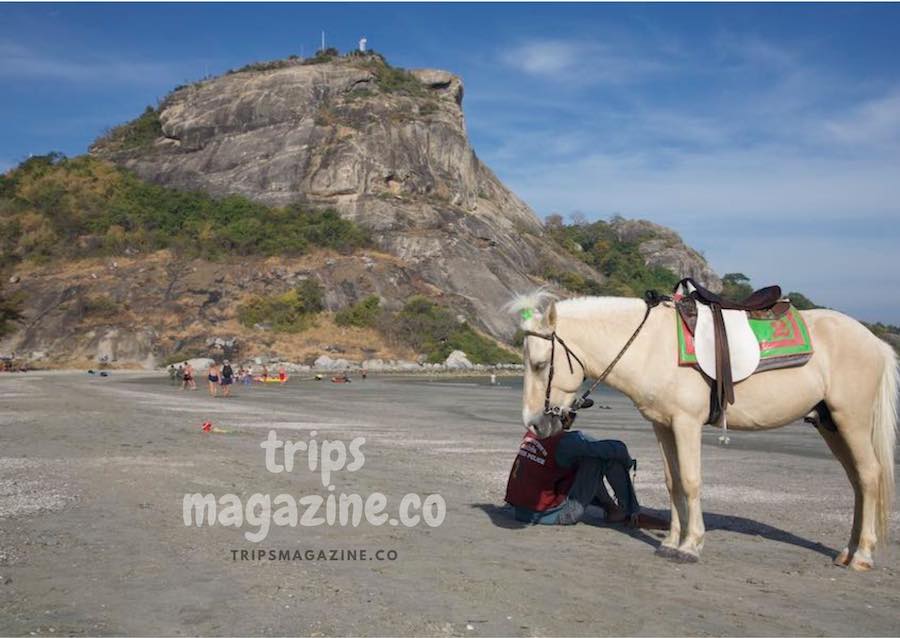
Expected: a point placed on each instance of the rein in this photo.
(651, 298)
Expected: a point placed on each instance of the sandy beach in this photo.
(93, 472)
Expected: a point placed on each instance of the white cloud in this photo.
(17, 61)
(876, 121)
(766, 183)
(856, 275)
(582, 62)
(544, 57)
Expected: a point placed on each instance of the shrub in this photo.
(434, 331)
(574, 282)
(10, 312)
(311, 296)
(52, 201)
(395, 80)
(620, 261)
(100, 306)
(138, 133)
(801, 301)
(258, 67)
(323, 56)
(736, 286)
(363, 314)
(293, 311)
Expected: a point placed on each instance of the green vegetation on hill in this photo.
(597, 245)
(293, 311)
(141, 132)
(10, 312)
(363, 314)
(435, 331)
(54, 207)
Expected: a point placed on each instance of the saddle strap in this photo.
(723, 389)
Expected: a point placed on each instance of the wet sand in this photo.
(92, 541)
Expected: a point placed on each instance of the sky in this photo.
(767, 135)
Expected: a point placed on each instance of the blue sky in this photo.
(768, 135)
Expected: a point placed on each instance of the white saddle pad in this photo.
(742, 344)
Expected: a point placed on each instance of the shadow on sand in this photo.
(502, 516)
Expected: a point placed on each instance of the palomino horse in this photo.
(852, 371)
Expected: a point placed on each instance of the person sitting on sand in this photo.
(213, 376)
(554, 479)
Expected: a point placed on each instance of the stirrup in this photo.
(724, 439)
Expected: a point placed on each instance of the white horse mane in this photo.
(576, 308)
(588, 307)
(533, 301)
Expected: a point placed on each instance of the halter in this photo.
(651, 298)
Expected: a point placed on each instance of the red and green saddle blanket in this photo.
(784, 342)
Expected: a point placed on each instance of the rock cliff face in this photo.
(138, 311)
(387, 149)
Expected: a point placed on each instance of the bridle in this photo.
(651, 298)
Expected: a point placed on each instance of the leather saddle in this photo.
(713, 320)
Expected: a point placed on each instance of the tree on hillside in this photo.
(10, 312)
(802, 302)
(553, 221)
(736, 286)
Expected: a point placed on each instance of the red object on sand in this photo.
(207, 426)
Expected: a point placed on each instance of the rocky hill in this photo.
(385, 148)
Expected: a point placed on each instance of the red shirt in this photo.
(536, 481)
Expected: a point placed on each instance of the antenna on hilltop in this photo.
(323, 39)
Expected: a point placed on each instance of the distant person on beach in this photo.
(187, 379)
(282, 374)
(265, 373)
(173, 375)
(227, 378)
(213, 376)
(247, 377)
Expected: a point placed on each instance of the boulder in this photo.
(324, 362)
(457, 360)
(200, 363)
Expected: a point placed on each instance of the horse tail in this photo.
(884, 436)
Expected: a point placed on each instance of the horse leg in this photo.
(666, 440)
(842, 453)
(687, 442)
(855, 430)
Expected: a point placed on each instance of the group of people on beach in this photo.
(223, 376)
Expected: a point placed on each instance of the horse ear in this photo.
(551, 316)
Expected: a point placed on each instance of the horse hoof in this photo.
(665, 551)
(860, 564)
(842, 559)
(682, 556)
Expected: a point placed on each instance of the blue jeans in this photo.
(588, 488)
